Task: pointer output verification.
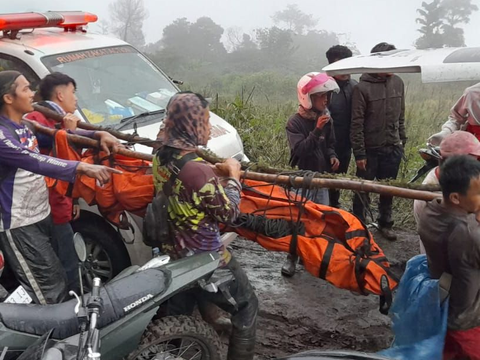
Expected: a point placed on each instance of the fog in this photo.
(363, 22)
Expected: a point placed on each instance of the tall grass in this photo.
(259, 105)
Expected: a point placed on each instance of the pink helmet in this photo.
(460, 143)
(314, 83)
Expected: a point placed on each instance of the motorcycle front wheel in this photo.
(178, 338)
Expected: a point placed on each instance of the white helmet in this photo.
(314, 83)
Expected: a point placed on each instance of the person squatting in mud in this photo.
(449, 230)
(312, 139)
(25, 220)
(200, 197)
(378, 137)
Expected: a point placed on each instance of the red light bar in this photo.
(66, 19)
(73, 19)
(29, 21)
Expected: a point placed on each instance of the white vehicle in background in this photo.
(435, 65)
(117, 86)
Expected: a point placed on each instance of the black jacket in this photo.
(310, 148)
(341, 110)
(378, 114)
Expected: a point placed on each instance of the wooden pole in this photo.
(87, 142)
(50, 114)
(355, 185)
(213, 158)
(297, 181)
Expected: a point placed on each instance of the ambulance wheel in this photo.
(107, 255)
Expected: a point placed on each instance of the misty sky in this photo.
(365, 22)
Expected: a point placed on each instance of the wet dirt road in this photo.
(303, 313)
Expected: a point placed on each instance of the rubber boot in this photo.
(241, 348)
(288, 268)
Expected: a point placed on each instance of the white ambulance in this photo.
(117, 86)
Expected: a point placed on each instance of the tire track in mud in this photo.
(304, 313)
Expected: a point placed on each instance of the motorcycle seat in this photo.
(119, 298)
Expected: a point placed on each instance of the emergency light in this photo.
(65, 19)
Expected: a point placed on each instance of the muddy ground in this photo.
(304, 313)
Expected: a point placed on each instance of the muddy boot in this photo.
(241, 347)
(388, 233)
(214, 316)
(288, 268)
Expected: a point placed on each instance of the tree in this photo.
(431, 21)
(295, 19)
(247, 43)
(440, 23)
(127, 17)
(457, 12)
(176, 36)
(198, 41)
(233, 38)
(205, 39)
(275, 42)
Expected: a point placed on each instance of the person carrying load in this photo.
(198, 201)
(25, 221)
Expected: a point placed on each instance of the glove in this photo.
(437, 138)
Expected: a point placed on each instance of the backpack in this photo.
(156, 223)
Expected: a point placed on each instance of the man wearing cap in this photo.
(458, 143)
(25, 222)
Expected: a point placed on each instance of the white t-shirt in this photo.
(419, 205)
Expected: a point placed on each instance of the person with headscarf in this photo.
(201, 196)
(25, 221)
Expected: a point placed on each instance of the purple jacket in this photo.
(23, 190)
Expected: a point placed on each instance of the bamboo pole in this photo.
(297, 181)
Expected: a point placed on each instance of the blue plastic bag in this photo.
(419, 319)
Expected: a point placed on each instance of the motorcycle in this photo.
(121, 316)
(431, 156)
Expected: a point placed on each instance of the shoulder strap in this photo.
(175, 168)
